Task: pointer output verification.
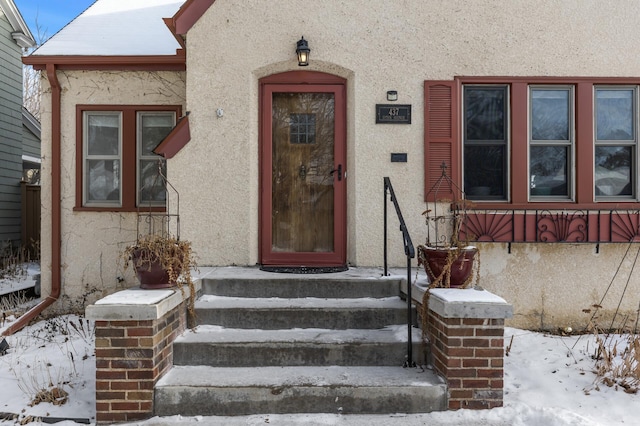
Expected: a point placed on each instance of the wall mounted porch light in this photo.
(392, 95)
(303, 51)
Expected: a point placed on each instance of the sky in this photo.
(51, 15)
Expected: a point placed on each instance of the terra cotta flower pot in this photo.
(435, 261)
(151, 274)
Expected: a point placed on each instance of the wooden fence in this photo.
(31, 218)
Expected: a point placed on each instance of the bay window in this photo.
(116, 166)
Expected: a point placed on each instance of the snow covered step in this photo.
(280, 313)
(291, 285)
(218, 346)
(286, 343)
(201, 390)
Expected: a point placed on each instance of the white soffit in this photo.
(117, 28)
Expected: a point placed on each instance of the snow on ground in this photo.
(549, 381)
(24, 279)
(55, 356)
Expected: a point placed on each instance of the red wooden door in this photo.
(303, 172)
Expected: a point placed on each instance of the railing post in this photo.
(385, 228)
(409, 362)
(409, 251)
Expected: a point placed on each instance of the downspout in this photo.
(56, 235)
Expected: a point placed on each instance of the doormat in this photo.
(304, 269)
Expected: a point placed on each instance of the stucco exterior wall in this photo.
(92, 241)
(554, 286)
(379, 46)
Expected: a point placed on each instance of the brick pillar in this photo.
(466, 332)
(135, 330)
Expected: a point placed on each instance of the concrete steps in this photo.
(279, 313)
(283, 343)
(297, 347)
(206, 391)
(295, 286)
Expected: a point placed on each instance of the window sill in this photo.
(120, 209)
(553, 205)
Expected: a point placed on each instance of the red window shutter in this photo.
(441, 132)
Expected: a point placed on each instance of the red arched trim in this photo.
(303, 77)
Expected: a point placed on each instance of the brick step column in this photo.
(135, 330)
(466, 332)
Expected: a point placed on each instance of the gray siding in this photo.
(10, 135)
(30, 143)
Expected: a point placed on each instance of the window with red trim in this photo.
(485, 142)
(536, 143)
(116, 166)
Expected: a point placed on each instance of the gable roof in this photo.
(117, 28)
(123, 34)
(189, 14)
(21, 33)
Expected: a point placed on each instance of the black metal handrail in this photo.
(410, 252)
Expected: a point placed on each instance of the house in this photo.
(533, 106)
(30, 147)
(19, 130)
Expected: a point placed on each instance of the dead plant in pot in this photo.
(159, 257)
(448, 261)
(160, 261)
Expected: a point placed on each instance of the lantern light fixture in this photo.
(302, 49)
(392, 95)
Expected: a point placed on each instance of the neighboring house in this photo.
(19, 131)
(31, 208)
(534, 105)
(30, 148)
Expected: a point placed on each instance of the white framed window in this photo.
(116, 167)
(551, 142)
(152, 128)
(102, 176)
(616, 142)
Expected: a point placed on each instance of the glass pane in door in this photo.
(302, 217)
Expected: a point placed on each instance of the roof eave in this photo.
(31, 123)
(21, 33)
(175, 62)
(22, 40)
(189, 13)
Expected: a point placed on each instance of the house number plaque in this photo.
(394, 114)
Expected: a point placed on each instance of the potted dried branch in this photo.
(158, 256)
(163, 261)
(159, 261)
(448, 261)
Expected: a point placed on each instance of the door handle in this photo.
(339, 170)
